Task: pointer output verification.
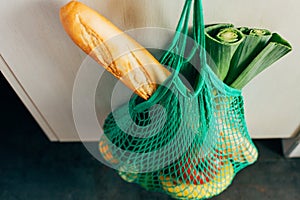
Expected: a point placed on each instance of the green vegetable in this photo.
(237, 55)
(276, 48)
(222, 40)
(255, 41)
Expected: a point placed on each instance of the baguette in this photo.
(110, 47)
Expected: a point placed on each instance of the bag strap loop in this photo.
(178, 45)
(199, 37)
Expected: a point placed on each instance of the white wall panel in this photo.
(45, 61)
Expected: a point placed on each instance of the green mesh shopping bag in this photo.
(190, 138)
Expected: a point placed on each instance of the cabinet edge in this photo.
(25, 98)
(291, 147)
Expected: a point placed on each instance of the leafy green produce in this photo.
(237, 55)
(254, 42)
(276, 48)
(222, 40)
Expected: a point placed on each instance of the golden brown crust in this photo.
(113, 49)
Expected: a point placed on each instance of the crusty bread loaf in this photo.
(113, 49)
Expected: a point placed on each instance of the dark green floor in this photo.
(32, 168)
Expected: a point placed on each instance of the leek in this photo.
(255, 41)
(276, 48)
(222, 40)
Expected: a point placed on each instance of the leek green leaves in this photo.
(237, 55)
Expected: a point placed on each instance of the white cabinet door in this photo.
(42, 62)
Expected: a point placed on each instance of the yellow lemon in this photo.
(106, 151)
(181, 190)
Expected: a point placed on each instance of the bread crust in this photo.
(117, 52)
